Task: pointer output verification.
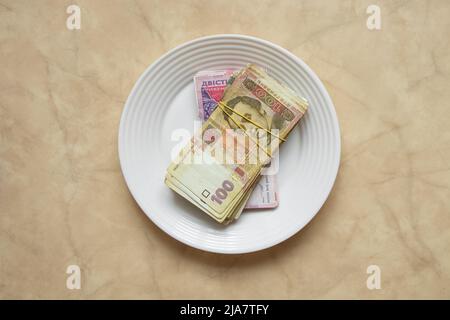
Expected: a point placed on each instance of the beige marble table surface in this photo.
(63, 199)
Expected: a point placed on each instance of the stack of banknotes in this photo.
(209, 88)
(247, 115)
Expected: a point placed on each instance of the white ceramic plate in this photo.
(163, 99)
